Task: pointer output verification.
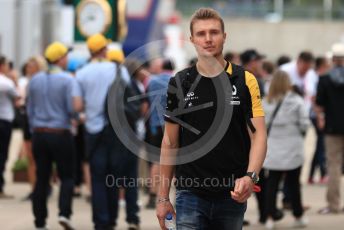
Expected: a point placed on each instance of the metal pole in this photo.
(279, 7)
(328, 6)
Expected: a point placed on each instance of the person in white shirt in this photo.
(8, 94)
(302, 76)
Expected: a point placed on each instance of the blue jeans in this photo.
(319, 159)
(109, 160)
(195, 212)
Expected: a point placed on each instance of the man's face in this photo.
(155, 67)
(5, 68)
(303, 67)
(256, 66)
(63, 62)
(31, 68)
(338, 61)
(208, 37)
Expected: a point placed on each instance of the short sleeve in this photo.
(312, 83)
(172, 101)
(253, 87)
(9, 88)
(124, 73)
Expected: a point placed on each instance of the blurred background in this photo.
(273, 26)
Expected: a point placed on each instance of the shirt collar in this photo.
(54, 69)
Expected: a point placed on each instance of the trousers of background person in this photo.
(5, 137)
(334, 157)
(292, 178)
(319, 159)
(261, 197)
(80, 156)
(108, 160)
(49, 148)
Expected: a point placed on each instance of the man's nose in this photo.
(208, 37)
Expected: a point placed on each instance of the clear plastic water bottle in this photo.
(170, 222)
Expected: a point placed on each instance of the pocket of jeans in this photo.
(180, 192)
(239, 206)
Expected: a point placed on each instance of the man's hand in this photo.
(321, 122)
(243, 189)
(162, 209)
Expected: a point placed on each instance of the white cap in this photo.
(338, 50)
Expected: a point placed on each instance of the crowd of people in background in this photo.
(61, 109)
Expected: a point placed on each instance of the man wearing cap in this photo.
(53, 97)
(105, 150)
(330, 113)
(252, 62)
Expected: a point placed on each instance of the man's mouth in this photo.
(209, 48)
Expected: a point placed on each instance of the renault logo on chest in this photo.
(234, 90)
(235, 98)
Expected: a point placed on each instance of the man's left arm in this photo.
(244, 185)
(258, 145)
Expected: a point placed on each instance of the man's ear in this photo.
(191, 39)
(224, 36)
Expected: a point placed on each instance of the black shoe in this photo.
(77, 194)
(28, 197)
(262, 220)
(246, 223)
(286, 205)
(88, 199)
(132, 226)
(278, 215)
(151, 202)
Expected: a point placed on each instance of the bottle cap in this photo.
(169, 216)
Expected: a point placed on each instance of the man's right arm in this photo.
(30, 105)
(169, 148)
(76, 94)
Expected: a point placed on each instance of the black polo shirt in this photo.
(214, 173)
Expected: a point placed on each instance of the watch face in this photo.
(94, 16)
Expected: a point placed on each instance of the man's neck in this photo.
(210, 67)
(54, 68)
(99, 56)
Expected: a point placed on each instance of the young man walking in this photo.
(204, 199)
(106, 153)
(53, 97)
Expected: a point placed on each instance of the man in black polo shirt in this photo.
(212, 188)
(330, 113)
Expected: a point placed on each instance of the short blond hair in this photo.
(206, 13)
(279, 86)
(39, 61)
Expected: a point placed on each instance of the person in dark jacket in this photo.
(330, 113)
